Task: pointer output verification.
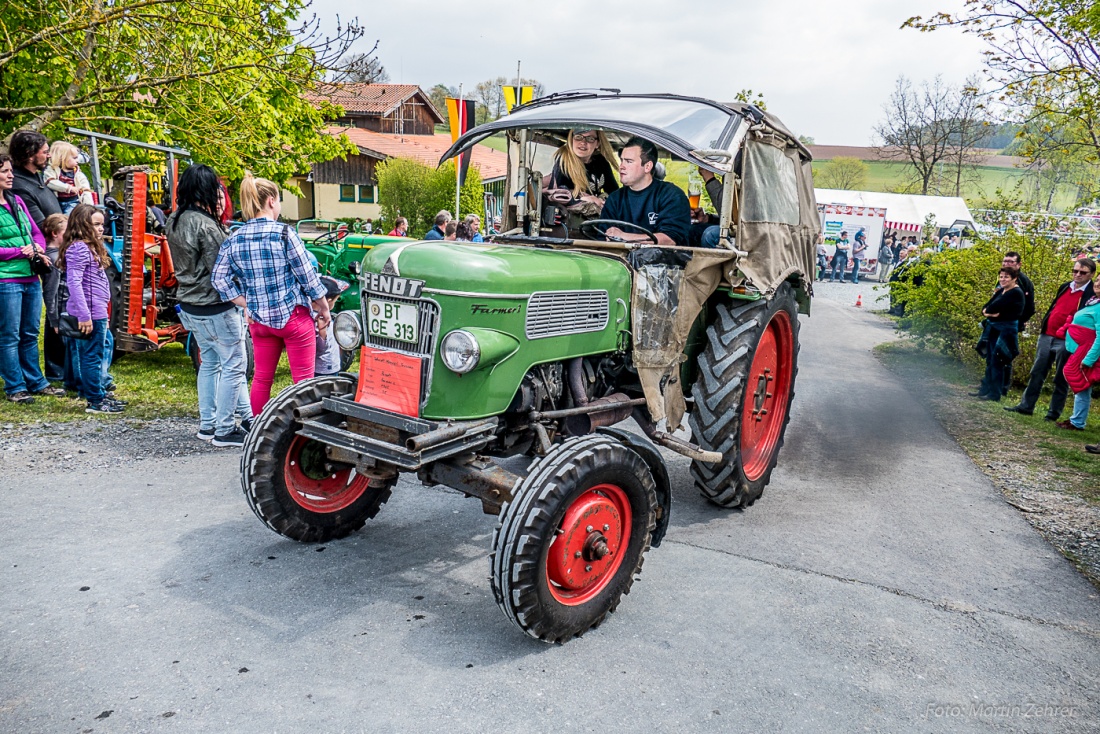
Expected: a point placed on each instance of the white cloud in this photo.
(826, 69)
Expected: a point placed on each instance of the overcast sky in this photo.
(825, 68)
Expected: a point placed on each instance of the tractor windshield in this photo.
(680, 125)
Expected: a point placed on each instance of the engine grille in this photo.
(558, 313)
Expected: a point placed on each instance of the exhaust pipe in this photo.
(610, 410)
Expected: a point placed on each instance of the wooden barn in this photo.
(397, 109)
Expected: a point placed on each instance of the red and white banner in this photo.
(904, 226)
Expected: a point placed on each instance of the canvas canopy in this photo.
(903, 211)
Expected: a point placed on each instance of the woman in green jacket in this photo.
(20, 296)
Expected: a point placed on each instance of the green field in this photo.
(979, 188)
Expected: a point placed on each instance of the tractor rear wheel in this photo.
(743, 396)
(571, 541)
(290, 483)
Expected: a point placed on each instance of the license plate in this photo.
(389, 320)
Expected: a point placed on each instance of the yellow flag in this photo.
(526, 94)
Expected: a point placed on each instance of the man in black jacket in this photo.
(1013, 260)
(1051, 349)
(30, 152)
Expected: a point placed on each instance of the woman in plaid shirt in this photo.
(263, 267)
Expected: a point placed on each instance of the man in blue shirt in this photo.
(436, 232)
(644, 201)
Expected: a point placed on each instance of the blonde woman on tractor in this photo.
(263, 268)
(583, 173)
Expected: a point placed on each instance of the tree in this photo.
(439, 94)
(410, 189)
(843, 173)
(1056, 163)
(363, 68)
(222, 79)
(806, 140)
(968, 129)
(1042, 57)
(746, 96)
(928, 127)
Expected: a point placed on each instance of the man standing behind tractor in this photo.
(195, 235)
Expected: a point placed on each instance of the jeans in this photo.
(855, 270)
(822, 265)
(300, 341)
(1050, 351)
(71, 371)
(1081, 403)
(20, 319)
(710, 236)
(221, 378)
(1001, 336)
(840, 260)
(92, 356)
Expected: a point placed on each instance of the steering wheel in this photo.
(330, 237)
(592, 226)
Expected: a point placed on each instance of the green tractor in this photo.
(541, 342)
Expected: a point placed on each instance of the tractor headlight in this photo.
(347, 330)
(460, 351)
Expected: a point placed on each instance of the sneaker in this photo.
(24, 398)
(110, 388)
(246, 425)
(115, 401)
(233, 439)
(205, 434)
(103, 407)
(1092, 448)
(51, 391)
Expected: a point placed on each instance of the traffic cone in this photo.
(859, 301)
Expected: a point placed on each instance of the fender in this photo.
(652, 457)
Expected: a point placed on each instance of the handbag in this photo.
(41, 265)
(68, 326)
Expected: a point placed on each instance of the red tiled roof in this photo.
(371, 99)
(427, 149)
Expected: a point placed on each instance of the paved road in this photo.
(881, 584)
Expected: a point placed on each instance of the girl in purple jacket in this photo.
(84, 260)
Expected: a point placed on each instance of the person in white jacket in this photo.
(64, 177)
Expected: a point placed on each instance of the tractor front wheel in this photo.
(290, 483)
(571, 541)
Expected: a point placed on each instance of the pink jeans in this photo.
(267, 345)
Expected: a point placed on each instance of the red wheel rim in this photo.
(766, 396)
(591, 542)
(314, 488)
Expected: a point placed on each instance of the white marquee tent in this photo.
(903, 211)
